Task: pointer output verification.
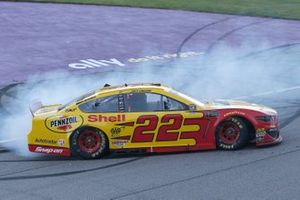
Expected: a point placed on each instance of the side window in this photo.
(147, 102)
(106, 104)
(171, 104)
(142, 102)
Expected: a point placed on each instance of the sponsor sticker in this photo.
(71, 110)
(119, 143)
(48, 150)
(46, 141)
(61, 142)
(63, 124)
(115, 131)
(260, 134)
(234, 113)
(102, 118)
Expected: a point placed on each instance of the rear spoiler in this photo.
(35, 107)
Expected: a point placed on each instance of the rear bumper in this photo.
(48, 143)
(49, 150)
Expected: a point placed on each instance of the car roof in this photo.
(108, 88)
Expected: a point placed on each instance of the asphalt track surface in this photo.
(45, 37)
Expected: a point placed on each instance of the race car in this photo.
(149, 118)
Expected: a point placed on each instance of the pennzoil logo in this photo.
(63, 124)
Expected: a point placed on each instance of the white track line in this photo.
(270, 92)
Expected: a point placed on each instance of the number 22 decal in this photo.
(145, 132)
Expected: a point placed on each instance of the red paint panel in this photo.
(196, 135)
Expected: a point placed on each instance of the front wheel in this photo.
(89, 143)
(232, 134)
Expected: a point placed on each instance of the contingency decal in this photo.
(234, 113)
(119, 143)
(260, 134)
(59, 142)
(63, 124)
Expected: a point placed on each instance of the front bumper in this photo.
(266, 137)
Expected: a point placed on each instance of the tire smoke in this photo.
(225, 72)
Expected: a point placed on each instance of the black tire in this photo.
(232, 134)
(89, 143)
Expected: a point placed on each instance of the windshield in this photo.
(194, 101)
(78, 99)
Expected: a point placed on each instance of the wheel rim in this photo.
(89, 141)
(229, 133)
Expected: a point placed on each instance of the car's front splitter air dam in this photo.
(267, 140)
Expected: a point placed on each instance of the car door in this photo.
(155, 120)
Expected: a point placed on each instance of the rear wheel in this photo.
(89, 143)
(232, 134)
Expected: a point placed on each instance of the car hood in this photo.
(235, 104)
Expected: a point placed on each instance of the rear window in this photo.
(101, 105)
(78, 99)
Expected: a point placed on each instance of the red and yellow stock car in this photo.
(151, 118)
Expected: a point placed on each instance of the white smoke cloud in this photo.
(223, 73)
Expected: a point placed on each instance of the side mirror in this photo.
(192, 107)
